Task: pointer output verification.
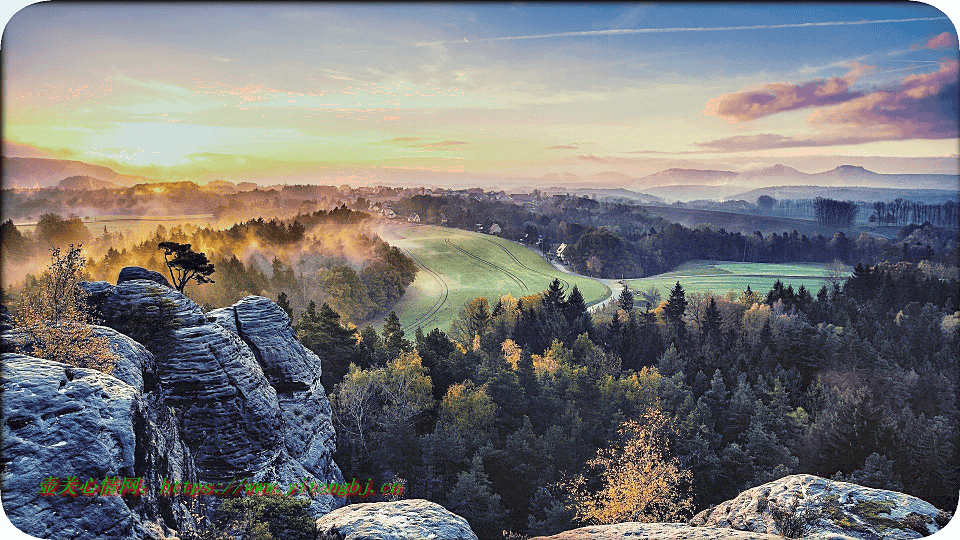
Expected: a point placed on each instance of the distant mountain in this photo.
(686, 177)
(776, 171)
(42, 172)
(852, 193)
(84, 183)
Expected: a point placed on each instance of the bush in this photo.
(53, 316)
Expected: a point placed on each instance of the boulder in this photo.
(664, 531)
(808, 506)
(410, 519)
(135, 272)
(63, 422)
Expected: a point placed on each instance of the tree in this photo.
(473, 498)
(54, 318)
(393, 338)
(766, 202)
(188, 264)
(284, 304)
(640, 481)
(626, 299)
(676, 307)
(336, 346)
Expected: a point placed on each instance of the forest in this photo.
(331, 256)
(500, 419)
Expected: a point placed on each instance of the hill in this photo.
(20, 172)
(84, 183)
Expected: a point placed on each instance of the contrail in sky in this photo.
(627, 31)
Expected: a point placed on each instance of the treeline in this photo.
(903, 212)
(857, 381)
(614, 239)
(325, 256)
(834, 213)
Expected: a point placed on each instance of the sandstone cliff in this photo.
(194, 396)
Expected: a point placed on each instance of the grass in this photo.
(722, 276)
(457, 266)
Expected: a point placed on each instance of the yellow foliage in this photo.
(54, 318)
(468, 407)
(511, 353)
(640, 481)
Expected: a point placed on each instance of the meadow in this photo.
(721, 277)
(457, 266)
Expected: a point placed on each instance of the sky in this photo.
(355, 94)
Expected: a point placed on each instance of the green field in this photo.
(723, 276)
(457, 266)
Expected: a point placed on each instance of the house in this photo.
(495, 228)
(389, 213)
(560, 251)
(414, 218)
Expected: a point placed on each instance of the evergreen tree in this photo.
(625, 300)
(473, 498)
(284, 304)
(393, 339)
(336, 346)
(553, 297)
(674, 310)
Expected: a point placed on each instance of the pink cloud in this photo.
(592, 158)
(779, 97)
(941, 41)
(563, 147)
(921, 106)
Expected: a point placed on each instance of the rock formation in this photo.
(399, 520)
(808, 506)
(193, 397)
(663, 531)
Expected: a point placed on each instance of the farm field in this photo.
(723, 276)
(457, 266)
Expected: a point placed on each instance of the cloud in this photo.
(920, 106)
(592, 158)
(779, 97)
(563, 147)
(941, 41)
(405, 139)
(627, 31)
(443, 144)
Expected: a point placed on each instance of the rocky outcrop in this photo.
(62, 422)
(294, 373)
(246, 394)
(664, 531)
(808, 506)
(135, 272)
(411, 519)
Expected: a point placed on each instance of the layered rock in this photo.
(67, 423)
(808, 506)
(294, 373)
(237, 422)
(135, 272)
(410, 519)
(664, 531)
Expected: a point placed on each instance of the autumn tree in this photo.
(189, 264)
(640, 480)
(54, 318)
